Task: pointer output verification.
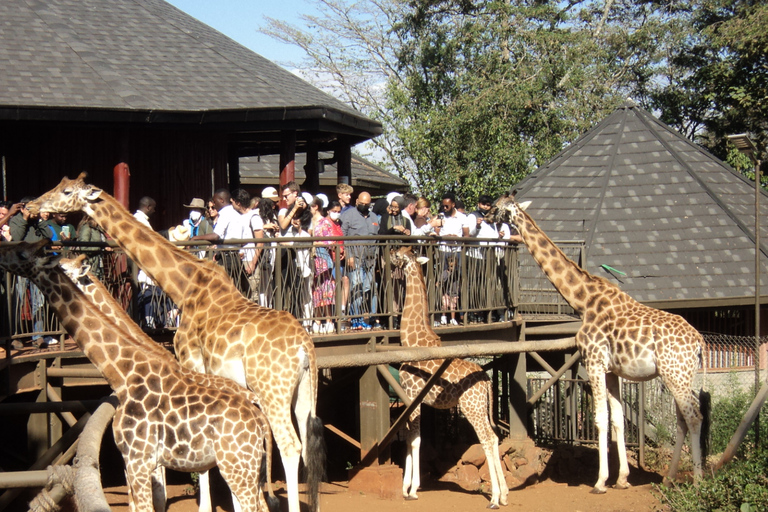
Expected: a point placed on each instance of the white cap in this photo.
(307, 197)
(323, 198)
(391, 196)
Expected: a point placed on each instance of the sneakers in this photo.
(443, 320)
(454, 322)
(17, 345)
(377, 326)
(316, 327)
(50, 340)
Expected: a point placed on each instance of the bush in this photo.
(727, 413)
(741, 485)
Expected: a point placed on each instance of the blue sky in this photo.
(241, 19)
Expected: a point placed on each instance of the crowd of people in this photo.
(322, 279)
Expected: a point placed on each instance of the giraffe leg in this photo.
(139, 478)
(159, 496)
(617, 427)
(411, 475)
(597, 380)
(474, 404)
(204, 483)
(290, 453)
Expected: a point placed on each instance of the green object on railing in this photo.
(611, 269)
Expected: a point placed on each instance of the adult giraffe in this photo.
(464, 384)
(165, 417)
(220, 331)
(619, 337)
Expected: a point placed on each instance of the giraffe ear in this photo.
(91, 193)
(524, 205)
(422, 260)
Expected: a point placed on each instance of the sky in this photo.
(241, 19)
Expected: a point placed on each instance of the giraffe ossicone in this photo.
(220, 331)
(463, 383)
(619, 337)
(166, 417)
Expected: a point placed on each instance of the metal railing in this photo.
(331, 285)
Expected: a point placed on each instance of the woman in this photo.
(324, 290)
(89, 231)
(394, 222)
(423, 225)
(212, 213)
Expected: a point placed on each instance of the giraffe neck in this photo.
(414, 323)
(575, 284)
(165, 263)
(96, 293)
(114, 355)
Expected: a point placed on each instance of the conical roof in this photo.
(650, 203)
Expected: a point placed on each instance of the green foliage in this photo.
(728, 412)
(741, 485)
(489, 90)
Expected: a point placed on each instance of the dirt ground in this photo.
(545, 496)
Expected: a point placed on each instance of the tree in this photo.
(723, 71)
(489, 90)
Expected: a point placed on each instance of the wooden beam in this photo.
(370, 457)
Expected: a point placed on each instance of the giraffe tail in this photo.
(315, 462)
(273, 504)
(490, 408)
(705, 407)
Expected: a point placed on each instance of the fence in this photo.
(565, 412)
(468, 281)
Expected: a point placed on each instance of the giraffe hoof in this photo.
(411, 498)
(595, 490)
(623, 485)
(493, 506)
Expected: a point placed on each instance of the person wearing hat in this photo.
(196, 222)
(270, 193)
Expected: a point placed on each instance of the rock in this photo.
(485, 472)
(468, 477)
(474, 455)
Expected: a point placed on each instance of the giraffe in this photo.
(619, 337)
(220, 331)
(165, 417)
(465, 384)
(97, 293)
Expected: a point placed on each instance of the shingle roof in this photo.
(365, 175)
(650, 203)
(139, 55)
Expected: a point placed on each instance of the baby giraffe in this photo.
(97, 293)
(464, 384)
(164, 417)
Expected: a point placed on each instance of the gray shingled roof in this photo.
(365, 175)
(650, 203)
(140, 55)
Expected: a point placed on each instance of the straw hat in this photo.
(179, 233)
(196, 203)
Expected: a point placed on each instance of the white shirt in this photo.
(484, 230)
(228, 226)
(142, 277)
(452, 226)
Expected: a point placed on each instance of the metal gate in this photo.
(565, 413)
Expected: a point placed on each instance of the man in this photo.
(295, 206)
(409, 207)
(361, 260)
(56, 228)
(150, 295)
(344, 192)
(27, 227)
(478, 255)
(453, 224)
(229, 226)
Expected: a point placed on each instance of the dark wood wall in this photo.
(170, 165)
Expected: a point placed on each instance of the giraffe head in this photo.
(27, 260)
(403, 256)
(508, 210)
(68, 196)
(75, 268)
